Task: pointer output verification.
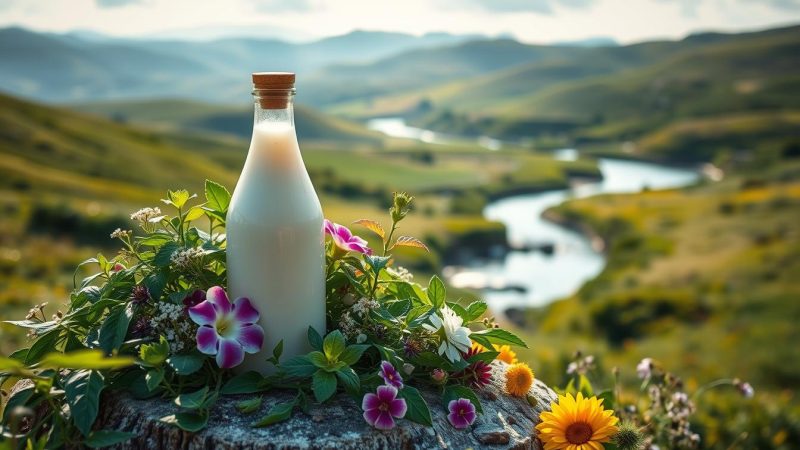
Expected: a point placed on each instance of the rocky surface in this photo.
(507, 423)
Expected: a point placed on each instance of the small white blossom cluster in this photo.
(364, 306)
(120, 233)
(184, 259)
(145, 214)
(348, 326)
(401, 273)
(171, 321)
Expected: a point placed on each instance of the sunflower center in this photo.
(578, 433)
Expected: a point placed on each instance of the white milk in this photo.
(276, 243)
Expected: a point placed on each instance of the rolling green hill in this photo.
(173, 114)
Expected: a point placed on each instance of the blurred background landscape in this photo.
(621, 178)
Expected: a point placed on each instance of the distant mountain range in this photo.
(80, 66)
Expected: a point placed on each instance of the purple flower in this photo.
(226, 330)
(390, 375)
(381, 408)
(462, 413)
(346, 240)
(195, 298)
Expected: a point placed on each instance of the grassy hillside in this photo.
(237, 121)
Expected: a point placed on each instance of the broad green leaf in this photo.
(475, 310)
(156, 353)
(607, 396)
(18, 398)
(250, 405)
(314, 339)
(84, 359)
(153, 379)
(164, 254)
(278, 413)
(278, 350)
(352, 353)
(585, 386)
(456, 391)
(436, 292)
(188, 421)
(244, 383)
(377, 263)
(186, 364)
(333, 345)
(299, 367)
(195, 213)
(399, 308)
(324, 385)
(418, 410)
(82, 393)
(192, 400)
(318, 359)
(487, 357)
(10, 365)
(43, 344)
(497, 336)
(217, 197)
(349, 379)
(107, 438)
(114, 329)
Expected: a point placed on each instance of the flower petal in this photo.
(207, 340)
(251, 338)
(386, 393)
(217, 296)
(371, 416)
(457, 421)
(370, 401)
(203, 314)
(398, 408)
(384, 421)
(329, 228)
(231, 353)
(244, 312)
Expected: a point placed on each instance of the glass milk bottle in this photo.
(274, 227)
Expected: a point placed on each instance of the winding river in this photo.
(536, 278)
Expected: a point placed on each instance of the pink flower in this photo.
(462, 413)
(226, 330)
(381, 408)
(346, 240)
(390, 375)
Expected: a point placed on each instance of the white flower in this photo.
(456, 337)
(645, 368)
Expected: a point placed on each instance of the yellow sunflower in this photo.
(576, 423)
(519, 378)
(506, 354)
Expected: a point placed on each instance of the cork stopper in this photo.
(273, 90)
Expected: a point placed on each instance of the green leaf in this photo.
(85, 359)
(82, 393)
(164, 254)
(418, 410)
(497, 336)
(318, 359)
(299, 367)
(10, 365)
(475, 310)
(43, 344)
(353, 353)
(377, 262)
(324, 385)
(436, 292)
(244, 383)
(193, 400)
(107, 438)
(179, 197)
(156, 353)
(188, 421)
(18, 398)
(153, 379)
(250, 405)
(114, 329)
(455, 392)
(314, 339)
(278, 351)
(585, 386)
(607, 396)
(349, 379)
(333, 345)
(194, 213)
(217, 197)
(399, 308)
(278, 413)
(487, 357)
(186, 364)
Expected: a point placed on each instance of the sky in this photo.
(540, 21)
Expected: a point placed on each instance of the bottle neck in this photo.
(274, 106)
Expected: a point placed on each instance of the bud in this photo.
(439, 376)
(118, 267)
(744, 388)
(400, 206)
(140, 294)
(349, 299)
(628, 437)
(361, 338)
